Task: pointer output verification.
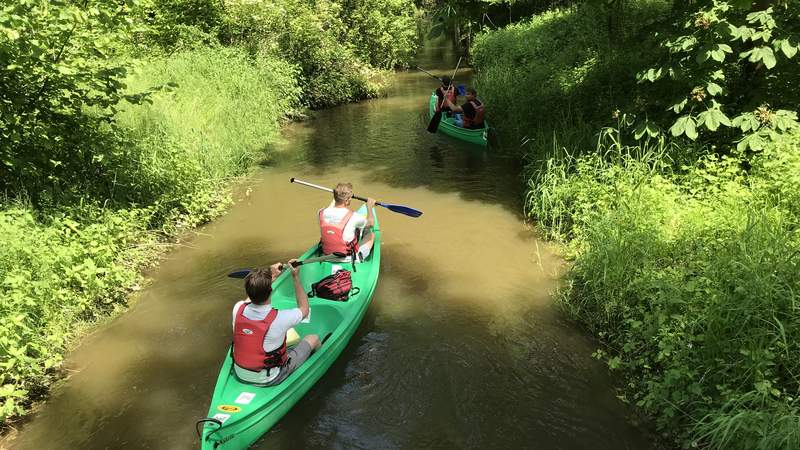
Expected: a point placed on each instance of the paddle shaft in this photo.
(323, 188)
(400, 209)
(434, 76)
(243, 272)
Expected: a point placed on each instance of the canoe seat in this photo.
(292, 337)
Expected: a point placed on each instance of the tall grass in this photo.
(562, 70)
(67, 266)
(220, 119)
(689, 275)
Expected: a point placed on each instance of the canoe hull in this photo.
(249, 411)
(447, 126)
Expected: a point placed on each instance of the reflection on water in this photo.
(461, 347)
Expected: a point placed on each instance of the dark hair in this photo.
(445, 81)
(258, 285)
(472, 91)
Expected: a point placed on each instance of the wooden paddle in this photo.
(411, 212)
(433, 125)
(241, 273)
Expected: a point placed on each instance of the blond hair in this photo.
(342, 193)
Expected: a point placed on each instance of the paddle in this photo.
(434, 76)
(241, 273)
(433, 125)
(411, 212)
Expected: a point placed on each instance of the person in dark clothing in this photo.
(471, 112)
(444, 93)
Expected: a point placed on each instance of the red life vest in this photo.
(248, 342)
(332, 236)
(477, 121)
(450, 94)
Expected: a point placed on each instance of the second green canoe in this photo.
(241, 413)
(448, 126)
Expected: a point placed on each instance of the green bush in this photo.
(690, 277)
(56, 271)
(173, 159)
(189, 141)
(562, 70)
(309, 36)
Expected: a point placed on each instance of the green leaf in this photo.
(679, 127)
(768, 56)
(684, 125)
(746, 122)
(691, 129)
(712, 119)
(788, 49)
(678, 106)
(718, 55)
(713, 88)
(640, 131)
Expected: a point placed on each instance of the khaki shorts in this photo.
(297, 356)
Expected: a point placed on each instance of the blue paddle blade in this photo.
(240, 273)
(411, 212)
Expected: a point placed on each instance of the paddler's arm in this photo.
(370, 215)
(299, 293)
(453, 107)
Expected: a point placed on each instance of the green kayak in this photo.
(240, 413)
(448, 127)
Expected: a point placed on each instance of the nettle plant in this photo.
(733, 61)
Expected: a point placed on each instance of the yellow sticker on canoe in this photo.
(229, 408)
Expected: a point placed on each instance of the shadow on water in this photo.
(461, 347)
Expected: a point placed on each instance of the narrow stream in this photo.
(461, 347)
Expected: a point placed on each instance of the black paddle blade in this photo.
(411, 212)
(434, 123)
(240, 273)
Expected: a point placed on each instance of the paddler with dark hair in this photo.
(471, 112)
(444, 94)
(260, 355)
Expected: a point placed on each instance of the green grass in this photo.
(689, 275)
(65, 267)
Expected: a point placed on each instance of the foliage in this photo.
(560, 71)
(689, 275)
(729, 72)
(337, 44)
(67, 266)
(55, 271)
(189, 141)
(176, 25)
(382, 32)
(60, 80)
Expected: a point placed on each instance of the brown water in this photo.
(461, 347)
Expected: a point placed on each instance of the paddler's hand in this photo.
(275, 270)
(295, 270)
(370, 202)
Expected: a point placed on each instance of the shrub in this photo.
(689, 276)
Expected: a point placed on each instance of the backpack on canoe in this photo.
(338, 286)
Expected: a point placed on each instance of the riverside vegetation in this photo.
(664, 153)
(124, 122)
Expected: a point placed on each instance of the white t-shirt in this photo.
(286, 319)
(334, 215)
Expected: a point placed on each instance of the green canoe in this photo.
(448, 127)
(240, 413)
